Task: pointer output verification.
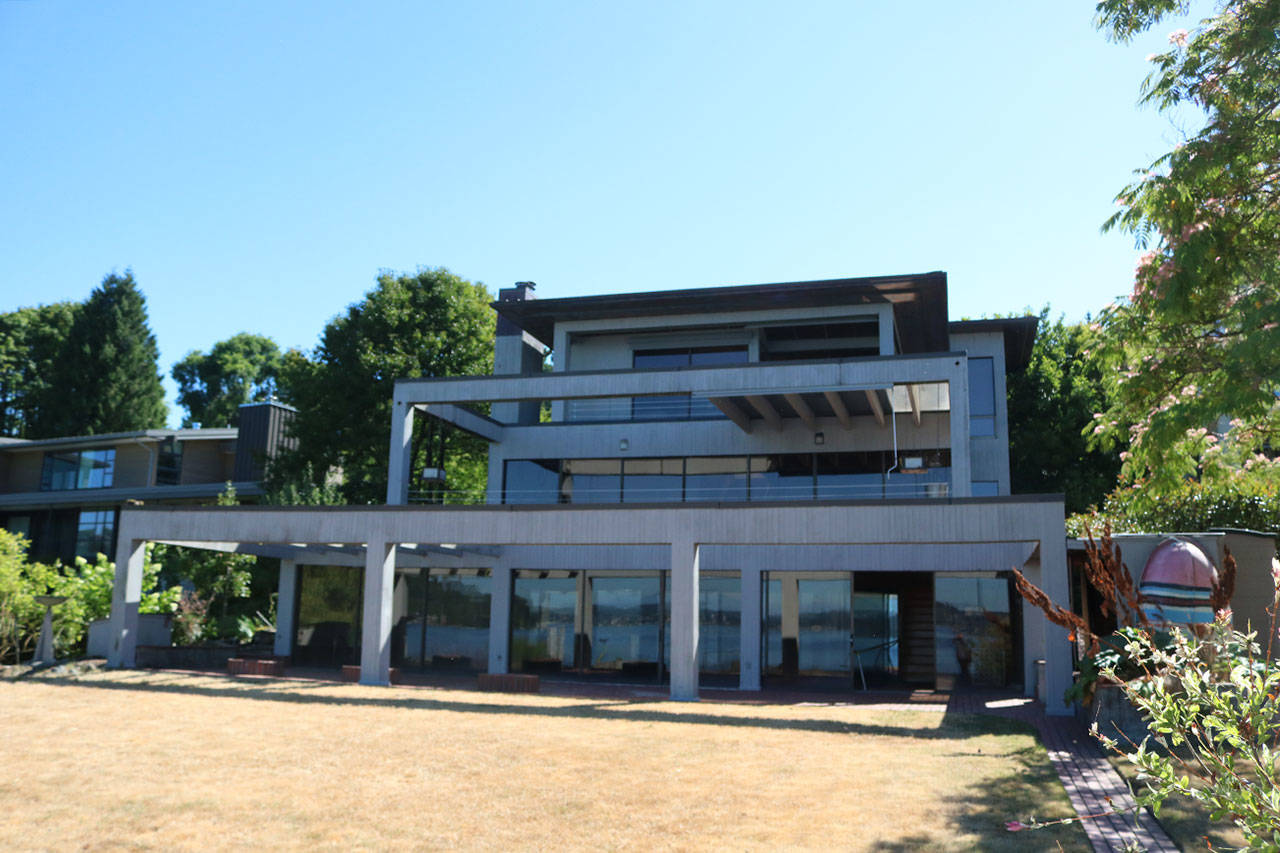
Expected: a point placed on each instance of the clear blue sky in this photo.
(257, 163)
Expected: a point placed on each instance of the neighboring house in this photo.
(801, 482)
(65, 494)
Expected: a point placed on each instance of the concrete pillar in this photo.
(1055, 580)
(789, 587)
(684, 621)
(126, 595)
(400, 460)
(958, 388)
(749, 638)
(502, 579)
(286, 602)
(375, 635)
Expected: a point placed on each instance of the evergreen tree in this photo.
(31, 346)
(106, 378)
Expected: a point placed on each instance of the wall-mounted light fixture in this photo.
(819, 438)
(623, 444)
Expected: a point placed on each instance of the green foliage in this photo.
(432, 323)
(105, 374)
(31, 341)
(288, 484)
(1199, 337)
(86, 585)
(223, 585)
(1051, 406)
(1246, 503)
(1212, 709)
(212, 387)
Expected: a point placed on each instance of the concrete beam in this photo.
(838, 406)
(797, 402)
(732, 412)
(873, 400)
(466, 420)
(725, 381)
(766, 410)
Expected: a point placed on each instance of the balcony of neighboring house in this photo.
(676, 428)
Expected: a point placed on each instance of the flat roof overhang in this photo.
(749, 395)
(919, 303)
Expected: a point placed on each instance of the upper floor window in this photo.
(169, 463)
(78, 469)
(681, 407)
(982, 396)
(849, 338)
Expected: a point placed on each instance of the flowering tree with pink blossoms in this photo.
(1194, 350)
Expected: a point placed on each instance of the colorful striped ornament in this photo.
(1177, 584)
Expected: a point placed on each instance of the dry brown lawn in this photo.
(165, 760)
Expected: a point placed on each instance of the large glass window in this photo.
(920, 474)
(973, 629)
(982, 396)
(715, 478)
(442, 619)
(169, 463)
(531, 481)
(652, 480)
(84, 469)
(719, 629)
(95, 533)
(626, 625)
(543, 609)
(681, 406)
(591, 481)
(851, 476)
(783, 477)
(329, 600)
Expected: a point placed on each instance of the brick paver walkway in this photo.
(1094, 786)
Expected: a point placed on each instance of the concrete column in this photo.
(684, 621)
(749, 638)
(958, 388)
(286, 601)
(500, 619)
(1055, 580)
(789, 588)
(375, 635)
(400, 461)
(126, 595)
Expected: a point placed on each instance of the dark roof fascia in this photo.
(1019, 336)
(919, 300)
(211, 434)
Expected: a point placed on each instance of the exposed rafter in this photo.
(873, 400)
(838, 406)
(732, 412)
(797, 402)
(914, 396)
(766, 410)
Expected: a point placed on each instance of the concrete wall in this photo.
(1255, 590)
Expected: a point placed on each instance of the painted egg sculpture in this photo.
(1177, 584)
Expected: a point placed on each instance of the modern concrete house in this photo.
(733, 486)
(65, 494)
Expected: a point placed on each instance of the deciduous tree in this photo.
(212, 386)
(431, 323)
(1198, 339)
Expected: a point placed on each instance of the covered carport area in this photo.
(384, 536)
